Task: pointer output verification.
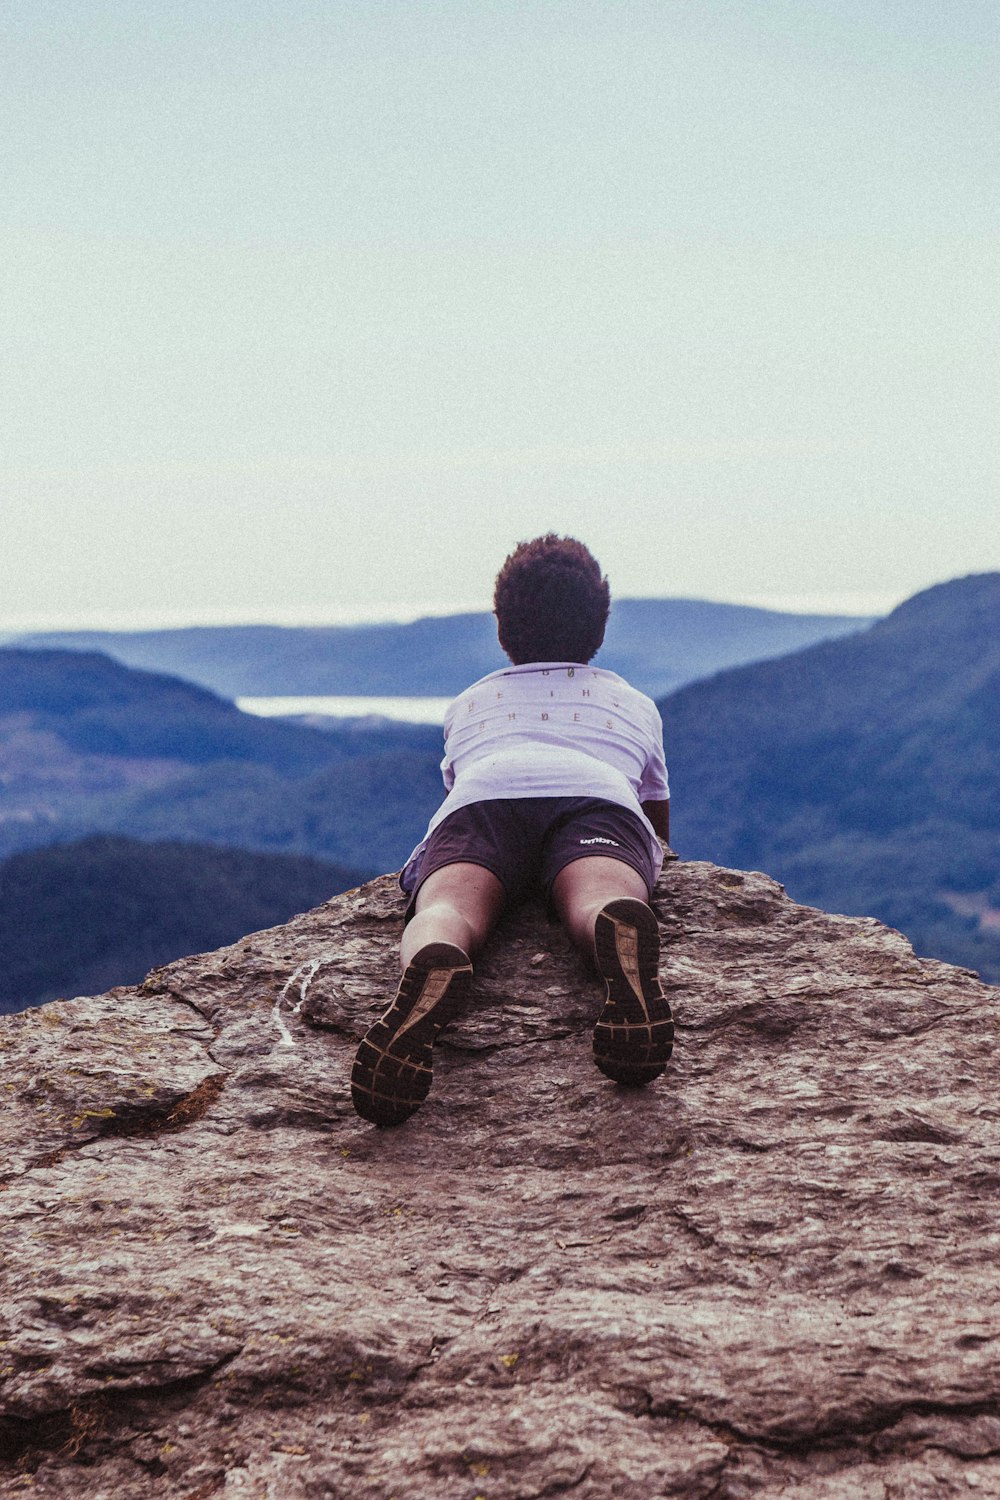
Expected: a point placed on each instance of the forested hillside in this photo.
(88, 745)
(79, 918)
(864, 772)
(97, 707)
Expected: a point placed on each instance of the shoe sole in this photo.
(393, 1069)
(634, 1035)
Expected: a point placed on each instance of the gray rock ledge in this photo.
(773, 1272)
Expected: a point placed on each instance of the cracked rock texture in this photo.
(772, 1272)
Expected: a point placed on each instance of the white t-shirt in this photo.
(554, 729)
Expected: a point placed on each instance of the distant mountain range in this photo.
(864, 773)
(78, 918)
(658, 644)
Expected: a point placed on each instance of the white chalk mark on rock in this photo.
(303, 976)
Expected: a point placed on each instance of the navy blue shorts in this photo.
(526, 841)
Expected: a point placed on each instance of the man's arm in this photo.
(658, 814)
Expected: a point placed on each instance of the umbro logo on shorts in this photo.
(601, 841)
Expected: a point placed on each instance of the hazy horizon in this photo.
(862, 606)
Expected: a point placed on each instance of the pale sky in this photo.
(310, 311)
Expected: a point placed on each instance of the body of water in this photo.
(410, 710)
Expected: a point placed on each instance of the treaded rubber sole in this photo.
(393, 1069)
(634, 1034)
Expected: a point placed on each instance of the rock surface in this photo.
(772, 1272)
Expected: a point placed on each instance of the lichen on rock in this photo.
(774, 1270)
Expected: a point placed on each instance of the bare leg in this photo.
(393, 1067)
(458, 904)
(603, 904)
(583, 887)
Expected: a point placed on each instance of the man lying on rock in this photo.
(556, 783)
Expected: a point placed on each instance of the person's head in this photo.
(551, 601)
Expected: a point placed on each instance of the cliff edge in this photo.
(773, 1271)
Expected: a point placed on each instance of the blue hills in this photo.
(862, 771)
(658, 644)
(124, 793)
(88, 745)
(78, 918)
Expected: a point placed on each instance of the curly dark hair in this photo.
(551, 601)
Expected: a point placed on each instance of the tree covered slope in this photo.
(89, 745)
(863, 772)
(78, 918)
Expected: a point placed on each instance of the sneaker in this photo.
(392, 1072)
(634, 1034)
